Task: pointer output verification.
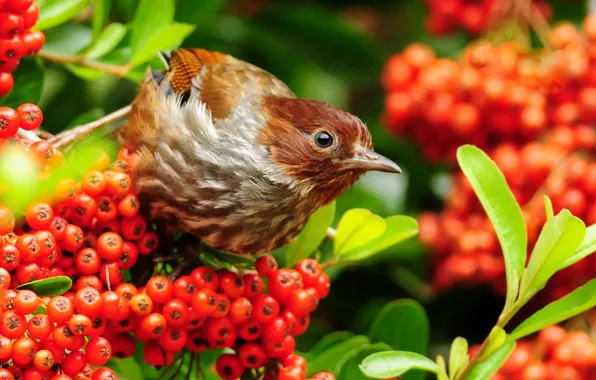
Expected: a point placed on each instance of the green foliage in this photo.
(486, 368)
(500, 205)
(28, 83)
(581, 299)
(55, 12)
(53, 286)
(404, 326)
(107, 40)
(559, 236)
(311, 236)
(458, 356)
(349, 364)
(388, 364)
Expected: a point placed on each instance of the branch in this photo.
(81, 131)
(28, 135)
(115, 70)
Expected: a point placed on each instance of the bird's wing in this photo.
(219, 80)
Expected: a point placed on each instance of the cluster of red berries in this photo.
(554, 354)
(472, 15)
(533, 115)
(17, 40)
(90, 231)
(259, 327)
(28, 117)
(492, 94)
(464, 249)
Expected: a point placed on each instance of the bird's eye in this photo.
(323, 139)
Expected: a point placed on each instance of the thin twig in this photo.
(28, 135)
(115, 70)
(81, 131)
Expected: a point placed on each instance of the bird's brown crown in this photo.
(311, 140)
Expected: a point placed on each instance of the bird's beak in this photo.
(367, 160)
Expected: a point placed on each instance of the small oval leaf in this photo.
(502, 209)
(328, 359)
(151, 17)
(458, 356)
(311, 236)
(398, 229)
(574, 303)
(169, 37)
(585, 249)
(348, 368)
(56, 12)
(383, 365)
(404, 326)
(107, 40)
(356, 228)
(51, 287)
(559, 237)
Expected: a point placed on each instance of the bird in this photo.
(228, 153)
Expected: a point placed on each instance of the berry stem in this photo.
(115, 70)
(69, 136)
(28, 135)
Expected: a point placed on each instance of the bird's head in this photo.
(325, 149)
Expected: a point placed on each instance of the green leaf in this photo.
(28, 84)
(151, 18)
(348, 368)
(586, 248)
(442, 375)
(327, 359)
(388, 364)
(56, 12)
(500, 205)
(548, 208)
(458, 356)
(357, 227)
(579, 300)
(326, 342)
(68, 38)
(488, 367)
(101, 10)
(107, 41)
(559, 237)
(398, 228)
(311, 236)
(51, 287)
(404, 326)
(168, 37)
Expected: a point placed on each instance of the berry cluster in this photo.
(472, 15)
(28, 117)
(88, 230)
(532, 113)
(463, 246)
(492, 94)
(259, 327)
(554, 354)
(17, 40)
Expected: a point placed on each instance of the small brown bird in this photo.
(228, 153)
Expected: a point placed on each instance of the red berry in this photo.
(9, 120)
(30, 116)
(6, 83)
(228, 367)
